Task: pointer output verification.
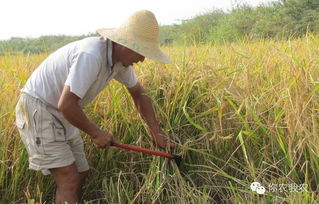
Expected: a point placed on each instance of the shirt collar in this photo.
(109, 52)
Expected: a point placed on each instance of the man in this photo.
(49, 112)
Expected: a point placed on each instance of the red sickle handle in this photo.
(144, 150)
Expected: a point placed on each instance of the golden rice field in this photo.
(239, 113)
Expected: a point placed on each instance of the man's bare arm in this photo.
(69, 105)
(144, 106)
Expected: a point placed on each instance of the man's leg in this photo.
(69, 183)
(83, 176)
(40, 130)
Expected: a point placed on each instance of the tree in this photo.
(301, 16)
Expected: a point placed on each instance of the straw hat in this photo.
(139, 33)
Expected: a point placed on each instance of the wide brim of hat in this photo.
(149, 49)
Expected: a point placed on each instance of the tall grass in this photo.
(238, 113)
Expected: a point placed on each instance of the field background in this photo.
(239, 100)
(238, 113)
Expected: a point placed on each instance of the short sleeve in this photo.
(127, 77)
(83, 72)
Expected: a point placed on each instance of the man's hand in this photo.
(103, 139)
(161, 140)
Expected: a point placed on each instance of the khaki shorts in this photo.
(51, 141)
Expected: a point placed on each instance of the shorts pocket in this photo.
(59, 131)
(20, 123)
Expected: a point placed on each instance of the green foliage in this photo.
(36, 45)
(268, 23)
(280, 20)
(301, 16)
(197, 29)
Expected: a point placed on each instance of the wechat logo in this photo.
(257, 187)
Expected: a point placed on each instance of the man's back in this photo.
(47, 81)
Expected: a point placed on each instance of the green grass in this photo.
(238, 113)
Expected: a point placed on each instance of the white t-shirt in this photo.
(85, 65)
